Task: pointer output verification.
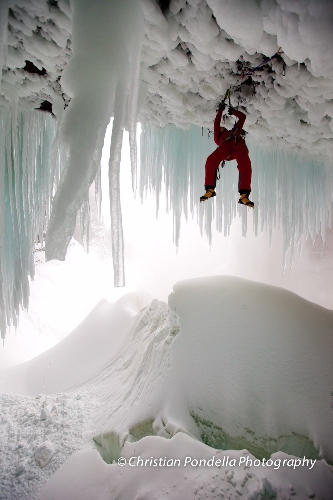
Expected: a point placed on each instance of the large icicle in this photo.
(133, 95)
(114, 185)
(85, 120)
(114, 28)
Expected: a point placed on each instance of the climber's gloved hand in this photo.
(221, 106)
(230, 110)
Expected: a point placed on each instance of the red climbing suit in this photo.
(231, 146)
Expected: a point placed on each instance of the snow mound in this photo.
(255, 362)
(235, 363)
(83, 353)
(188, 469)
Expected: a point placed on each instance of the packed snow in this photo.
(168, 407)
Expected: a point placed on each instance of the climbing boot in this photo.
(210, 193)
(244, 200)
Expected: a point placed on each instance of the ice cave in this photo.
(156, 347)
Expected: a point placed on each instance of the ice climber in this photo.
(231, 146)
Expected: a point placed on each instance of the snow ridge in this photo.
(138, 374)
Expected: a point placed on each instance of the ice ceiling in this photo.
(192, 52)
(165, 64)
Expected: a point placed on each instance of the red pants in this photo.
(240, 154)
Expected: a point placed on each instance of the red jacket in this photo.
(221, 137)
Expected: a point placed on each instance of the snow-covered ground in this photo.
(228, 364)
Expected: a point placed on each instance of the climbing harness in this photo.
(218, 175)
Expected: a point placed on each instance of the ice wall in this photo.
(26, 140)
(292, 193)
(101, 79)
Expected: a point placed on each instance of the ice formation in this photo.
(257, 381)
(168, 63)
(97, 78)
(292, 193)
(26, 139)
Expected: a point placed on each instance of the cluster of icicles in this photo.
(26, 140)
(291, 193)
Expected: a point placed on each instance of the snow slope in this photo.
(83, 353)
(231, 363)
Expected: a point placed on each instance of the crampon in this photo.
(210, 193)
(244, 200)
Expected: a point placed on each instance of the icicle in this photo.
(151, 163)
(244, 222)
(98, 191)
(84, 140)
(134, 84)
(85, 223)
(114, 185)
(287, 185)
